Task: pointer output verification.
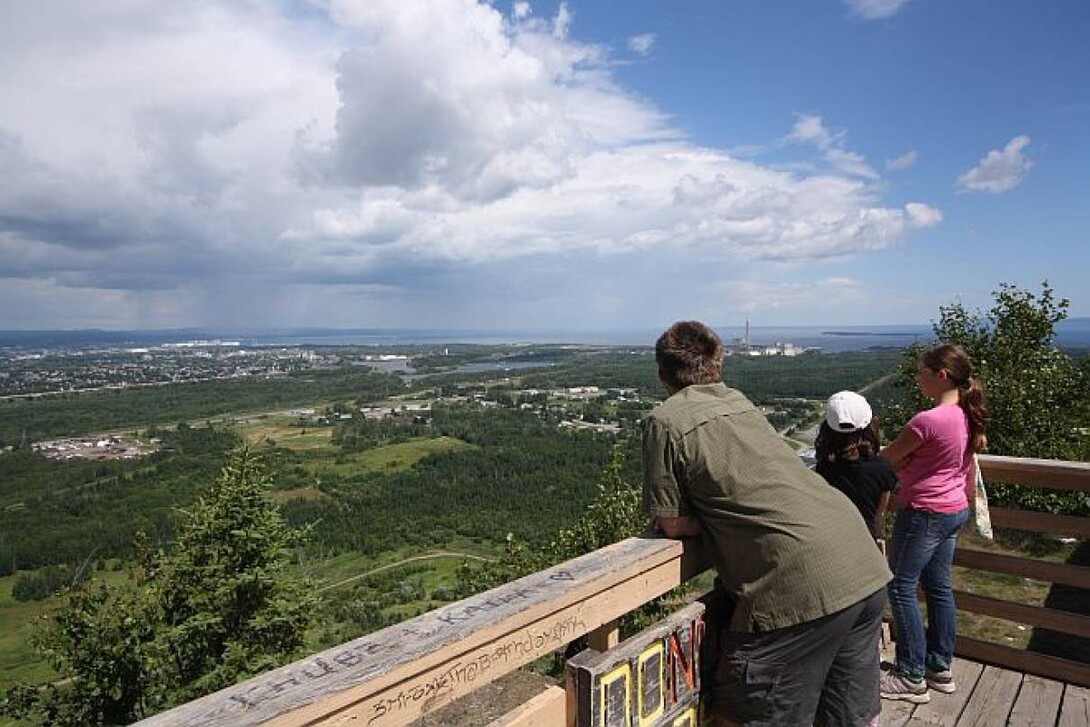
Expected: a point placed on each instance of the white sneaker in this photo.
(941, 681)
(898, 686)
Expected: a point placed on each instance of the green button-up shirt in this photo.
(786, 546)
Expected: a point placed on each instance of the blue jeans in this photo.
(921, 552)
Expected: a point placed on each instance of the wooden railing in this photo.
(409, 670)
(396, 675)
(1036, 473)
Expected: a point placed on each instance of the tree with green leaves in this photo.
(1038, 395)
(230, 601)
(223, 604)
(614, 514)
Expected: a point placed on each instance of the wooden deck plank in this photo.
(944, 709)
(1075, 709)
(896, 714)
(1037, 704)
(991, 702)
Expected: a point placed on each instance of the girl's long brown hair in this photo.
(955, 362)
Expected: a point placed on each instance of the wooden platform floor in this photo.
(988, 696)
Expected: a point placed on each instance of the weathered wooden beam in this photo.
(1068, 575)
(1072, 624)
(1040, 522)
(399, 673)
(605, 636)
(547, 709)
(1048, 473)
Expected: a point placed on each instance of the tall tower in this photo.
(747, 335)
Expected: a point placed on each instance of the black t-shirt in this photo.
(863, 481)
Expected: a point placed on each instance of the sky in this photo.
(591, 164)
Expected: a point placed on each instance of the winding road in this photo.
(388, 566)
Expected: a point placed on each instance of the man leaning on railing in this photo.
(793, 556)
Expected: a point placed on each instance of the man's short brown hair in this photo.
(689, 353)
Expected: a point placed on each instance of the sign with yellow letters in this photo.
(649, 680)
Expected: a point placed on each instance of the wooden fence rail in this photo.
(396, 675)
(1045, 474)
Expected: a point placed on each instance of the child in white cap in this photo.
(847, 457)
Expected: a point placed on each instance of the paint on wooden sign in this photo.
(649, 680)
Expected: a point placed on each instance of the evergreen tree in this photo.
(222, 605)
(230, 601)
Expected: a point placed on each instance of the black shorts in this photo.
(823, 672)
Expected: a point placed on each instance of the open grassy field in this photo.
(389, 458)
(18, 662)
(18, 619)
(281, 434)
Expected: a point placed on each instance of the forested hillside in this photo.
(395, 481)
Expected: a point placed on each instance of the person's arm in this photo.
(970, 485)
(900, 449)
(679, 527)
(662, 496)
(880, 514)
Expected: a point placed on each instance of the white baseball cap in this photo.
(847, 411)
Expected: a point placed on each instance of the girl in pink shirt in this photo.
(934, 460)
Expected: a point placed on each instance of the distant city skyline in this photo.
(542, 166)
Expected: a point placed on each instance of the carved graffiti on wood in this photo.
(521, 647)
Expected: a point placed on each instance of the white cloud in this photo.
(642, 43)
(999, 170)
(875, 9)
(906, 160)
(767, 296)
(850, 162)
(810, 129)
(562, 22)
(360, 162)
(921, 215)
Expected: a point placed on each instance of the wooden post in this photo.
(605, 637)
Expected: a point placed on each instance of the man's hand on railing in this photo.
(678, 527)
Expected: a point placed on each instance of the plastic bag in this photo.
(981, 517)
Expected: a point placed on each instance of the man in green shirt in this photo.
(805, 579)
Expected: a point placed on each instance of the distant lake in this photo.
(1072, 333)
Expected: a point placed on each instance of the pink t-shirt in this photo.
(933, 478)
